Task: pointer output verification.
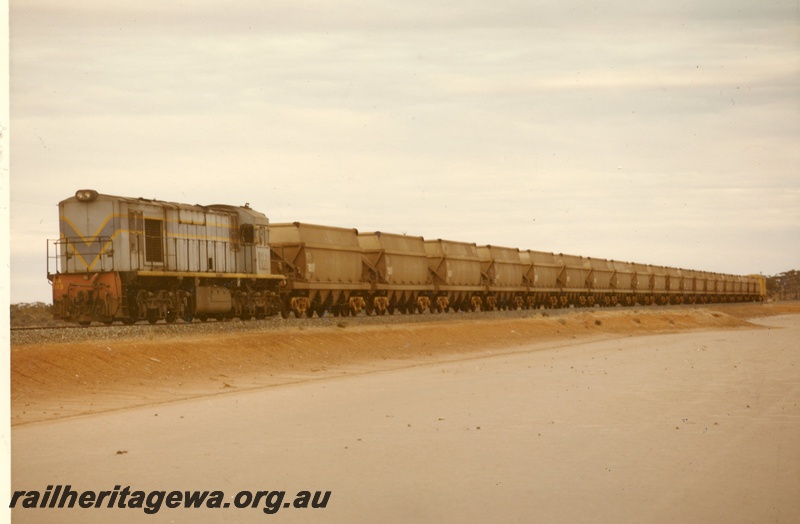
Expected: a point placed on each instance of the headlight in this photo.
(86, 195)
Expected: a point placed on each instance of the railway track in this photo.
(97, 331)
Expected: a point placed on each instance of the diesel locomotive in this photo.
(131, 259)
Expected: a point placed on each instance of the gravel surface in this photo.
(147, 331)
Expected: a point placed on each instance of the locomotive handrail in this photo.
(63, 251)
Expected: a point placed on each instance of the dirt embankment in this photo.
(55, 380)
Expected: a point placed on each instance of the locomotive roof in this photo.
(86, 195)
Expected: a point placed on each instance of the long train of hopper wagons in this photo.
(131, 259)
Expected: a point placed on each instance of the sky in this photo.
(665, 133)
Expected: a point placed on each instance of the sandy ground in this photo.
(599, 416)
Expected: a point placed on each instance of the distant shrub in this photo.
(32, 314)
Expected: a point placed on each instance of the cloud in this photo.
(611, 129)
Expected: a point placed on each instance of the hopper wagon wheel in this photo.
(171, 316)
(84, 322)
(202, 318)
(128, 321)
(152, 316)
(344, 310)
(285, 308)
(321, 310)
